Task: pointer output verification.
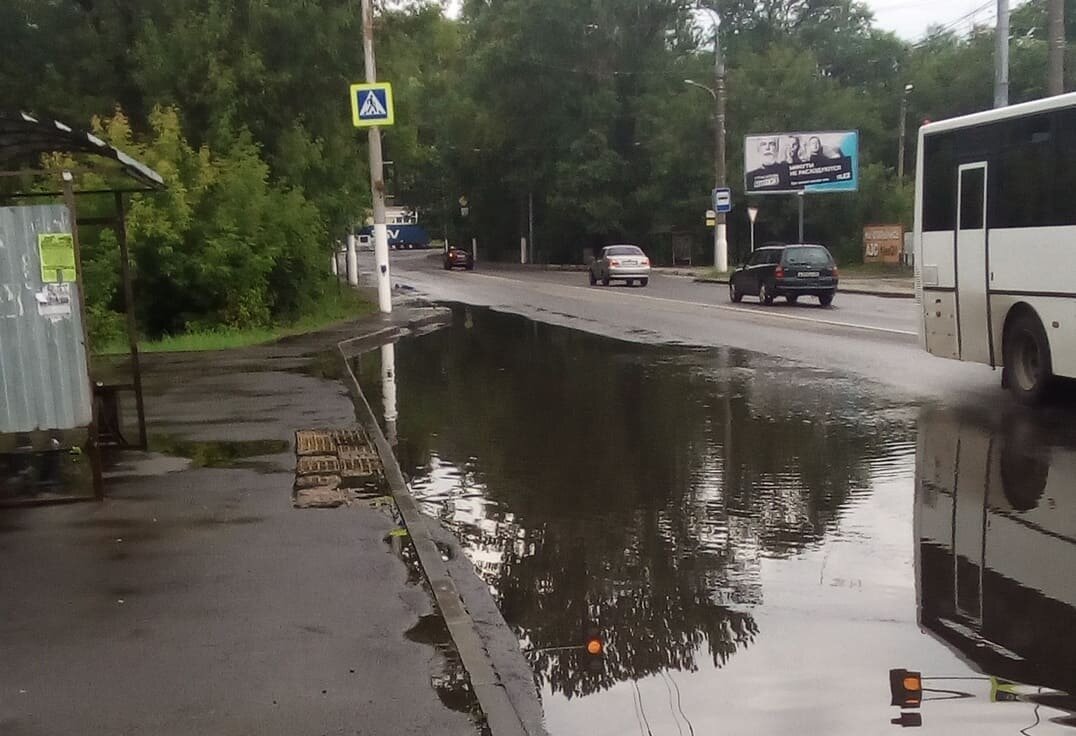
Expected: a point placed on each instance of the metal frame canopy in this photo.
(24, 139)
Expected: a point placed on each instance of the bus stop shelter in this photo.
(47, 397)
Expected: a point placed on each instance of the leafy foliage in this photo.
(577, 105)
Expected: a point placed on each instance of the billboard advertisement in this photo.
(883, 243)
(782, 163)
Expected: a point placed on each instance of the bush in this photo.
(222, 245)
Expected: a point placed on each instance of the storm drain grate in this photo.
(335, 467)
(312, 442)
(317, 465)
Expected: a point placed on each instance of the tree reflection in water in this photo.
(633, 487)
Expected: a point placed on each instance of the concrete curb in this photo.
(883, 293)
(503, 716)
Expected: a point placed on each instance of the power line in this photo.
(952, 25)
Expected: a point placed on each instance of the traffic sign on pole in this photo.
(722, 197)
(371, 104)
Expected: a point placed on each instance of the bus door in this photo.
(972, 310)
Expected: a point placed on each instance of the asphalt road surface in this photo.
(872, 337)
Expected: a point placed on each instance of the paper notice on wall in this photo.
(54, 300)
(57, 257)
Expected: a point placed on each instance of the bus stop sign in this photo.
(723, 200)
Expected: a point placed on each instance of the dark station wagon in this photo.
(788, 271)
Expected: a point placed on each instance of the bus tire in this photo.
(1028, 372)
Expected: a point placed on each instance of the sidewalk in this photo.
(196, 600)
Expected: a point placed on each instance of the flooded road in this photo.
(746, 534)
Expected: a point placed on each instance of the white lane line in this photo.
(578, 291)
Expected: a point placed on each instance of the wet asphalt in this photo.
(870, 337)
(196, 600)
(760, 535)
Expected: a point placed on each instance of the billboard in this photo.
(823, 161)
(883, 243)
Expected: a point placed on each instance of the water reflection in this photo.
(996, 531)
(636, 488)
(388, 391)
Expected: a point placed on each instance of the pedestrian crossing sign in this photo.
(371, 104)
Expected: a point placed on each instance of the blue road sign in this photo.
(723, 200)
(371, 104)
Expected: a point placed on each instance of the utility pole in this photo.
(1001, 56)
(721, 240)
(1055, 77)
(377, 173)
(903, 132)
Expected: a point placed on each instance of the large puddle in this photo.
(757, 543)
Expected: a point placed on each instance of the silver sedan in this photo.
(620, 263)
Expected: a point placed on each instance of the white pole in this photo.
(522, 250)
(474, 250)
(721, 245)
(388, 390)
(752, 214)
(530, 224)
(352, 261)
(335, 265)
(377, 174)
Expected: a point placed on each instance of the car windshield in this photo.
(623, 250)
(813, 256)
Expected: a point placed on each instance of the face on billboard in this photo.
(793, 162)
(767, 151)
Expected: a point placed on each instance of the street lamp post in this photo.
(903, 130)
(721, 243)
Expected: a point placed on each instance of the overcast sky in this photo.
(909, 18)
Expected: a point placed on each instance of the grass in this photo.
(713, 273)
(336, 306)
(876, 271)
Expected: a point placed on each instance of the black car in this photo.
(790, 271)
(458, 258)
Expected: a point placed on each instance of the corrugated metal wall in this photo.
(43, 382)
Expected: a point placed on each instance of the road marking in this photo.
(720, 307)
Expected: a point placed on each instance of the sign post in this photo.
(801, 195)
(752, 213)
(371, 107)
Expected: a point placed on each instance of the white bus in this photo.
(995, 241)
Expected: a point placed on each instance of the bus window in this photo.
(1064, 167)
(1025, 189)
(939, 183)
(972, 185)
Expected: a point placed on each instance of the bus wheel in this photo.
(1028, 365)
